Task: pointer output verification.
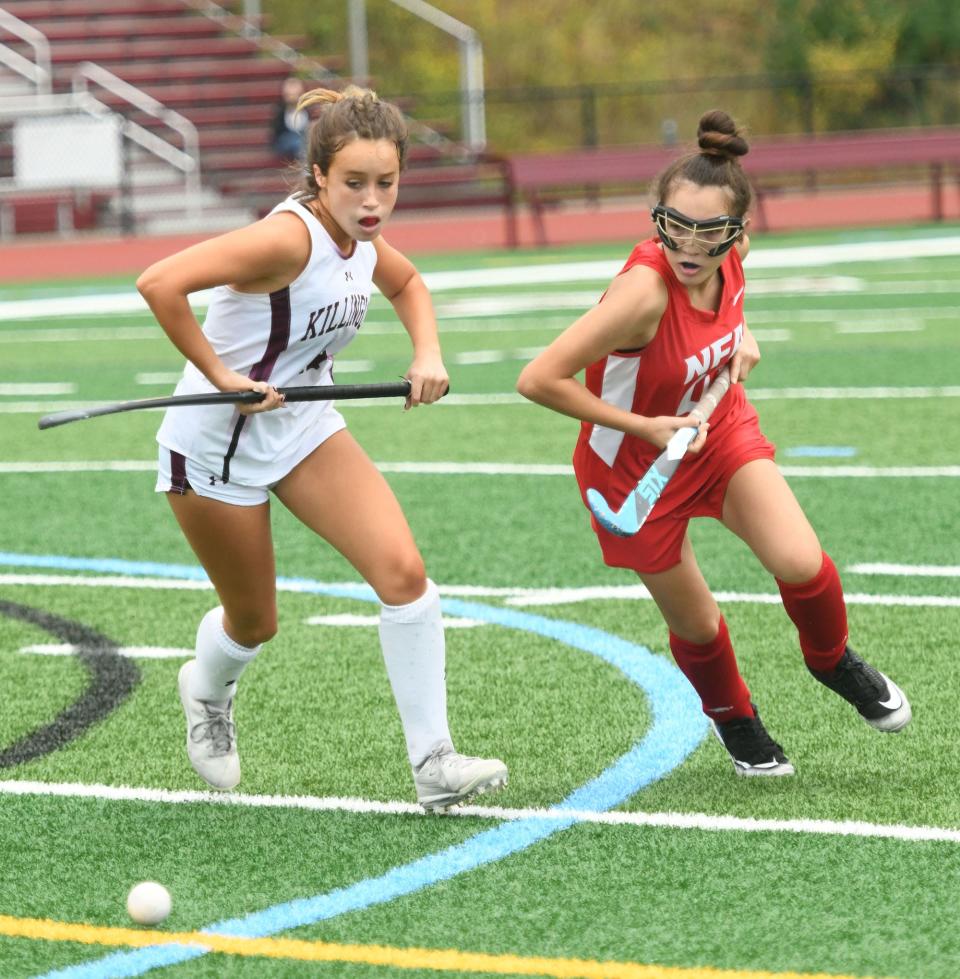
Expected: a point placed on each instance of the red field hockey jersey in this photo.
(667, 377)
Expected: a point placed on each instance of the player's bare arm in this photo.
(261, 258)
(746, 358)
(627, 319)
(399, 281)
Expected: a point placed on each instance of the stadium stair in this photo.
(220, 80)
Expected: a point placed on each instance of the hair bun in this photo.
(718, 135)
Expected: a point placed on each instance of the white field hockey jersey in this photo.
(287, 338)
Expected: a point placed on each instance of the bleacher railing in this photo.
(37, 71)
(186, 160)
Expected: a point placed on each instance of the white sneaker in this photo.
(211, 736)
(446, 778)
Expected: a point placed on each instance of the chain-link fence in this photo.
(523, 120)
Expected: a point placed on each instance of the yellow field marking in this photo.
(440, 960)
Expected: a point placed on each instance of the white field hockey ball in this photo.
(148, 903)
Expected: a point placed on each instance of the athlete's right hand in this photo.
(661, 429)
(232, 381)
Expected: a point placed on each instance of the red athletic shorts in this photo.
(697, 489)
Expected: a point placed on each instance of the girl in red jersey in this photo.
(668, 324)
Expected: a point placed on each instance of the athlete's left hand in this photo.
(745, 359)
(428, 379)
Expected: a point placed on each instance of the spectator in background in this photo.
(289, 125)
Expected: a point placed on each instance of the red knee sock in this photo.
(820, 615)
(712, 669)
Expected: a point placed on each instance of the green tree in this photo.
(775, 65)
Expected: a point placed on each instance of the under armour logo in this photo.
(348, 276)
(213, 480)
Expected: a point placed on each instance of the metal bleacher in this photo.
(168, 67)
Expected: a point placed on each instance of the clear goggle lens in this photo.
(715, 236)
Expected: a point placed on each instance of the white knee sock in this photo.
(220, 660)
(411, 637)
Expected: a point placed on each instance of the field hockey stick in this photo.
(320, 392)
(632, 515)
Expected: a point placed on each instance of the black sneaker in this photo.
(753, 751)
(879, 700)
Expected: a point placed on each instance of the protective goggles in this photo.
(715, 236)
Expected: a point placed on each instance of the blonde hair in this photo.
(354, 113)
(717, 164)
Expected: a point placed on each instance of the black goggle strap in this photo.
(662, 214)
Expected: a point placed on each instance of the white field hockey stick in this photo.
(319, 392)
(626, 521)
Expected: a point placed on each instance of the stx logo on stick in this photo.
(650, 487)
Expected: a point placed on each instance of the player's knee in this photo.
(699, 630)
(799, 567)
(251, 627)
(401, 578)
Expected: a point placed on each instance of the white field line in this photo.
(131, 652)
(901, 326)
(665, 820)
(36, 389)
(477, 468)
(601, 271)
(917, 286)
(908, 570)
(871, 472)
(497, 355)
(519, 597)
(157, 377)
(104, 581)
(497, 469)
(76, 334)
(348, 619)
(353, 366)
(848, 393)
(545, 322)
(807, 285)
(116, 465)
(508, 304)
(875, 314)
(565, 596)
(872, 251)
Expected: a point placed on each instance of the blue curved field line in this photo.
(677, 728)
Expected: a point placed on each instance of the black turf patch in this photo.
(112, 679)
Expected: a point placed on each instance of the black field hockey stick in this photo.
(632, 515)
(321, 392)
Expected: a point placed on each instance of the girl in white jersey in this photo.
(289, 292)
